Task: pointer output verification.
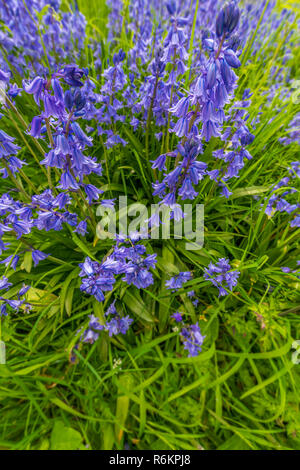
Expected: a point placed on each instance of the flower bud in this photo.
(36, 125)
(79, 100)
(69, 100)
(220, 24)
(227, 19)
(211, 75)
(231, 58)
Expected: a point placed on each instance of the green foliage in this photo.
(65, 438)
(242, 392)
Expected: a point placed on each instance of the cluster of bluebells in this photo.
(280, 81)
(200, 116)
(176, 282)
(7, 305)
(9, 162)
(192, 339)
(25, 36)
(167, 68)
(237, 136)
(44, 212)
(165, 86)
(128, 258)
(280, 201)
(190, 336)
(107, 114)
(59, 120)
(182, 180)
(270, 21)
(114, 324)
(222, 276)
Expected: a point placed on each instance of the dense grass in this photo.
(242, 391)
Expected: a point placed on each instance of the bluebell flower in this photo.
(21, 228)
(187, 191)
(221, 276)
(227, 19)
(38, 256)
(35, 88)
(11, 261)
(8, 152)
(113, 140)
(69, 99)
(72, 75)
(211, 75)
(210, 129)
(177, 317)
(181, 108)
(176, 282)
(296, 221)
(108, 203)
(231, 58)
(181, 127)
(81, 228)
(36, 127)
(13, 304)
(92, 192)
(81, 136)
(68, 181)
(4, 284)
(24, 289)
(192, 339)
(118, 325)
(160, 162)
(114, 325)
(90, 336)
(4, 76)
(14, 90)
(95, 281)
(111, 309)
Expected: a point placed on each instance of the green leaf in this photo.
(65, 438)
(126, 382)
(40, 14)
(27, 262)
(251, 191)
(66, 293)
(83, 247)
(133, 300)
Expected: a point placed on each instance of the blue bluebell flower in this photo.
(176, 282)
(222, 276)
(38, 256)
(192, 339)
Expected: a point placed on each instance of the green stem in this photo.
(28, 181)
(15, 110)
(220, 46)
